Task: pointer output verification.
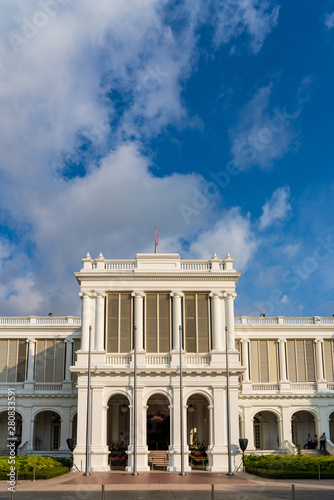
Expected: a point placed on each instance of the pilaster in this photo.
(217, 330)
(100, 320)
(29, 383)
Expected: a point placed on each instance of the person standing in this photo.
(323, 441)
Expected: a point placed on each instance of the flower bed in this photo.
(290, 466)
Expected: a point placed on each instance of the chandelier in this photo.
(157, 418)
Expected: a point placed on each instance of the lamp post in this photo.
(87, 473)
(134, 471)
(182, 473)
(230, 473)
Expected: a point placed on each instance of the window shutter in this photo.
(12, 361)
(203, 322)
(22, 360)
(40, 361)
(151, 323)
(50, 361)
(263, 355)
(3, 360)
(125, 323)
(291, 360)
(301, 375)
(310, 365)
(164, 322)
(190, 322)
(254, 361)
(59, 361)
(328, 360)
(272, 355)
(112, 322)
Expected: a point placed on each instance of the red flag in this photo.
(156, 239)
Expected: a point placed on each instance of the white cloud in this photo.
(253, 17)
(263, 135)
(329, 20)
(82, 87)
(231, 233)
(291, 250)
(277, 209)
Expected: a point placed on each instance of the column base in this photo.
(284, 386)
(98, 459)
(174, 454)
(142, 459)
(218, 459)
(322, 386)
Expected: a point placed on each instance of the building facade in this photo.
(281, 381)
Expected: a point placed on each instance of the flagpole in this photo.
(134, 471)
(228, 414)
(87, 473)
(182, 473)
(156, 239)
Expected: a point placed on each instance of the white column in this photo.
(99, 448)
(85, 321)
(245, 362)
(177, 317)
(249, 428)
(217, 330)
(282, 359)
(69, 357)
(31, 360)
(139, 320)
(320, 366)
(93, 319)
(99, 328)
(65, 431)
(230, 296)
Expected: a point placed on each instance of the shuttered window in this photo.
(263, 361)
(50, 361)
(328, 351)
(300, 361)
(13, 360)
(196, 315)
(119, 322)
(157, 322)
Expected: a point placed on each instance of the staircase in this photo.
(158, 459)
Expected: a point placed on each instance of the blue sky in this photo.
(211, 119)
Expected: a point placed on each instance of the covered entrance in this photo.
(118, 430)
(158, 423)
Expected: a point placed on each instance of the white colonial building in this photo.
(281, 369)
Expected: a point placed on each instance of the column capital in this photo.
(244, 341)
(69, 341)
(138, 293)
(83, 295)
(216, 295)
(176, 294)
(281, 341)
(101, 295)
(31, 341)
(210, 407)
(316, 341)
(230, 295)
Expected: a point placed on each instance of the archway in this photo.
(158, 423)
(4, 431)
(266, 435)
(47, 428)
(198, 430)
(302, 424)
(331, 426)
(118, 422)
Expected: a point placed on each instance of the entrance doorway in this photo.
(158, 423)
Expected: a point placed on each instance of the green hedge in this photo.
(289, 474)
(45, 467)
(290, 466)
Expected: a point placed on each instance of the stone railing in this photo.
(101, 264)
(50, 387)
(290, 448)
(197, 359)
(158, 360)
(265, 387)
(40, 321)
(123, 360)
(280, 320)
(16, 386)
(303, 386)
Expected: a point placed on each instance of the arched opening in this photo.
(266, 435)
(47, 431)
(331, 427)
(118, 421)
(158, 423)
(198, 431)
(6, 426)
(74, 427)
(303, 424)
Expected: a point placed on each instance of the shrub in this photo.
(289, 466)
(45, 467)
